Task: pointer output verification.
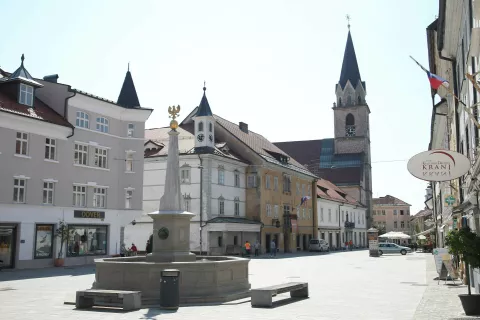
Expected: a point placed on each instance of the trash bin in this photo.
(170, 289)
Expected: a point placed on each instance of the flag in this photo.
(435, 81)
(304, 200)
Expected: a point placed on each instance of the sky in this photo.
(272, 64)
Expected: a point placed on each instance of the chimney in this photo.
(243, 126)
(51, 78)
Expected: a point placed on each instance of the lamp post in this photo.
(201, 204)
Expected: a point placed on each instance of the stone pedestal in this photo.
(171, 237)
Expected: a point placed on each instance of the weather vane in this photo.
(348, 20)
(173, 111)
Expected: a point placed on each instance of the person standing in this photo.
(257, 248)
(247, 248)
(134, 249)
(273, 249)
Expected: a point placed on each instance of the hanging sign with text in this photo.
(438, 165)
(89, 214)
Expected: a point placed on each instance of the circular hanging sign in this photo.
(438, 165)
(163, 233)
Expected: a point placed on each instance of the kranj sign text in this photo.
(438, 165)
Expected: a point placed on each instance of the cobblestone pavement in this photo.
(344, 285)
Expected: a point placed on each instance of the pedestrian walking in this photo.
(257, 248)
(247, 248)
(273, 249)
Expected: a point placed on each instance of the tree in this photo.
(62, 233)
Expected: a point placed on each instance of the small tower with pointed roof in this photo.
(24, 85)
(128, 95)
(204, 126)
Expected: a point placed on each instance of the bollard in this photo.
(170, 289)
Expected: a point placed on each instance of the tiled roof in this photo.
(40, 110)
(340, 176)
(105, 100)
(329, 191)
(423, 213)
(389, 200)
(260, 145)
(302, 151)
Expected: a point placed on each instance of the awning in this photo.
(425, 232)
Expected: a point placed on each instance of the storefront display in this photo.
(43, 241)
(87, 240)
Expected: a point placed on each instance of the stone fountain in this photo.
(202, 278)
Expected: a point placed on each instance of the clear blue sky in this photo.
(273, 64)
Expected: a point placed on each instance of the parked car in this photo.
(392, 248)
(318, 245)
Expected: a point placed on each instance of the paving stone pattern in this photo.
(344, 285)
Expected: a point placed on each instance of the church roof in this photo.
(204, 108)
(128, 95)
(350, 69)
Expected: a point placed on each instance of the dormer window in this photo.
(26, 95)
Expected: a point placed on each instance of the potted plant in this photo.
(466, 244)
(62, 233)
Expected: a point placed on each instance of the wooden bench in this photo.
(128, 300)
(262, 297)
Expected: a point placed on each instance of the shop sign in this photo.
(450, 200)
(438, 165)
(89, 214)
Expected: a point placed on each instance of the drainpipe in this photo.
(201, 203)
(65, 113)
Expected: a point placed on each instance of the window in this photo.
(275, 183)
(19, 186)
(237, 179)
(221, 206)
(298, 188)
(350, 120)
(303, 190)
(128, 198)
(401, 212)
(200, 126)
(130, 130)
(221, 176)
(252, 181)
(275, 211)
(286, 210)
(343, 216)
(267, 181)
(395, 211)
(286, 183)
(269, 210)
(358, 218)
(329, 215)
(299, 216)
(99, 197)
(79, 196)
(304, 213)
(129, 162)
(81, 154)
(50, 145)
(210, 127)
(383, 212)
(186, 202)
(237, 207)
(21, 146)
(402, 224)
(395, 225)
(101, 156)
(220, 241)
(48, 191)
(82, 120)
(336, 215)
(235, 240)
(26, 95)
(102, 124)
(374, 213)
(87, 240)
(359, 100)
(43, 241)
(185, 175)
(321, 214)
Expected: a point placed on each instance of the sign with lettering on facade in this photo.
(438, 165)
(89, 214)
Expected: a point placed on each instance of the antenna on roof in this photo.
(204, 85)
(128, 68)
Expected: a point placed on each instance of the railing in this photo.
(349, 225)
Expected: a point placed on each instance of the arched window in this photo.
(350, 121)
(339, 101)
(359, 100)
(210, 127)
(349, 100)
(200, 126)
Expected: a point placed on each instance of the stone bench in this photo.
(128, 300)
(262, 297)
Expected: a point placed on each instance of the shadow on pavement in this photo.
(152, 313)
(283, 302)
(267, 256)
(12, 275)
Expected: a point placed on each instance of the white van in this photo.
(318, 245)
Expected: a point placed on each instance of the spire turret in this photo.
(128, 95)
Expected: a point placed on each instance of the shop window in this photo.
(84, 240)
(43, 241)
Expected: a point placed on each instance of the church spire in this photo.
(350, 69)
(128, 95)
(204, 107)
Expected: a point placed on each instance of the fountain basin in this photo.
(209, 279)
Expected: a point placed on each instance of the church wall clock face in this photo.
(210, 137)
(350, 131)
(200, 137)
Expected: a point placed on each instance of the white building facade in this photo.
(78, 159)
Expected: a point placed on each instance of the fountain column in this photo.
(171, 224)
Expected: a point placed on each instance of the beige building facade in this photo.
(391, 214)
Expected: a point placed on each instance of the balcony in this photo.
(349, 225)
